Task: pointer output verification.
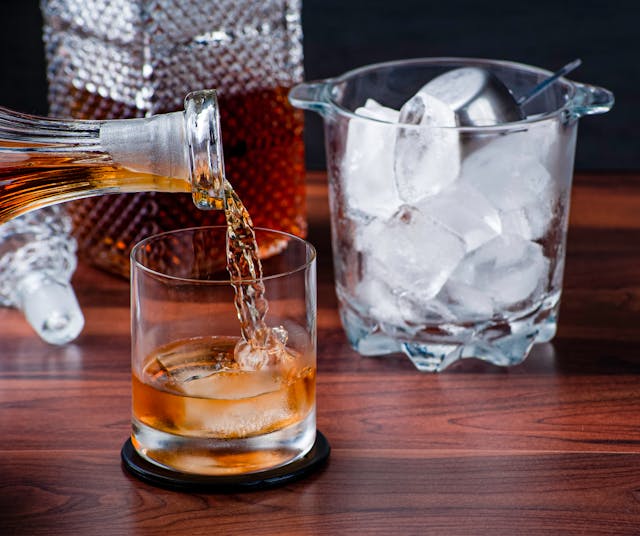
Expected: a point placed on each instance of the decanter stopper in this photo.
(37, 260)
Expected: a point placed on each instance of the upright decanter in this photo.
(116, 59)
(46, 161)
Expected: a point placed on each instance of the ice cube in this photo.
(542, 141)
(509, 268)
(367, 168)
(538, 139)
(464, 211)
(229, 385)
(418, 312)
(379, 300)
(410, 252)
(427, 154)
(456, 87)
(467, 304)
(270, 350)
(531, 221)
(259, 401)
(194, 359)
(401, 309)
(508, 180)
(515, 182)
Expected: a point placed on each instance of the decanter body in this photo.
(132, 58)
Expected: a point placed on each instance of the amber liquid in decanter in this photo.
(28, 180)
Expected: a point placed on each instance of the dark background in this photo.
(342, 34)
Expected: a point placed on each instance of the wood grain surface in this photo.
(551, 446)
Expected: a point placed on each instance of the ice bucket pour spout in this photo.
(448, 241)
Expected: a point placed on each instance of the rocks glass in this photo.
(202, 403)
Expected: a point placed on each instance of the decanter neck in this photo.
(182, 145)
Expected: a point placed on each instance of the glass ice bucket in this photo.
(448, 241)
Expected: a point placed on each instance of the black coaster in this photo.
(166, 478)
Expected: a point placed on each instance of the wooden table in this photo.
(549, 447)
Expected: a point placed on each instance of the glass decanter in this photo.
(45, 161)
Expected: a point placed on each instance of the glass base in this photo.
(212, 456)
(505, 342)
(175, 480)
